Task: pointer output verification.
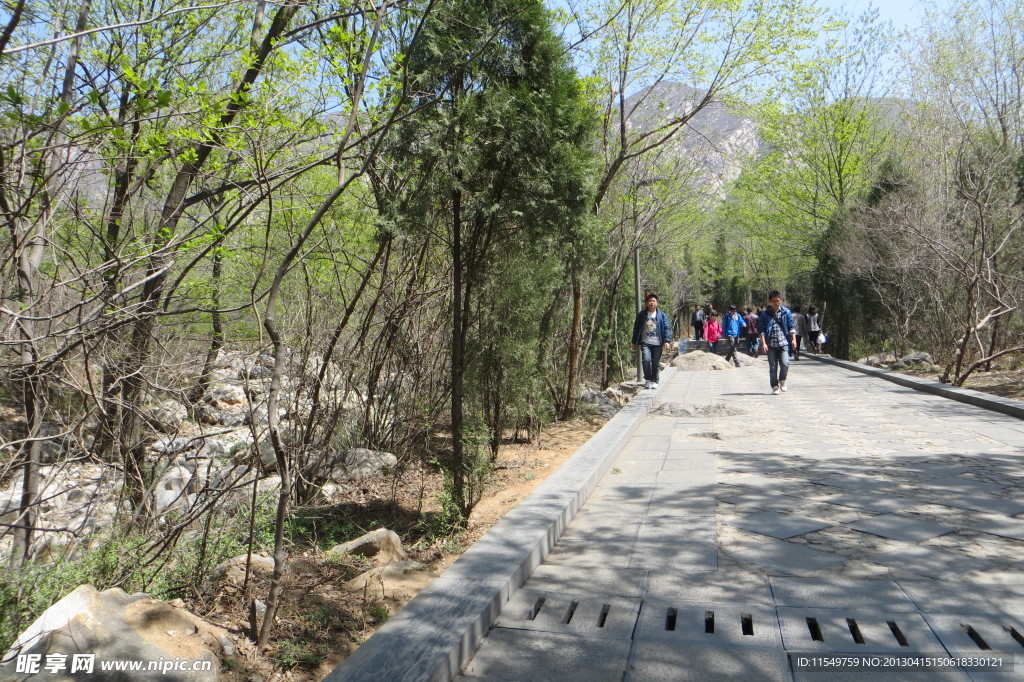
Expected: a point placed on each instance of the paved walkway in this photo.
(847, 515)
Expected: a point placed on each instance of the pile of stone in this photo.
(700, 361)
(222, 442)
(888, 360)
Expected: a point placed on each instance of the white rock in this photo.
(114, 625)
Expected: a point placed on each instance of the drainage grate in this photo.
(839, 630)
(977, 633)
(606, 617)
(710, 625)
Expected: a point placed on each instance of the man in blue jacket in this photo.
(732, 327)
(652, 331)
(777, 337)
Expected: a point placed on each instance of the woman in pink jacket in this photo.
(713, 332)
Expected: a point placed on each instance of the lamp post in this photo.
(639, 307)
(637, 184)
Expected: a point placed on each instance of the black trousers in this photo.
(733, 341)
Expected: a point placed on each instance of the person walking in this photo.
(800, 327)
(777, 337)
(713, 331)
(813, 329)
(753, 336)
(697, 322)
(652, 332)
(732, 326)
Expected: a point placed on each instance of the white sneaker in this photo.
(647, 384)
(776, 391)
(782, 385)
(654, 384)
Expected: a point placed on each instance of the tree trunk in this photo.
(458, 359)
(569, 404)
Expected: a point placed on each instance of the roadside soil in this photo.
(1005, 383)
(325, 614)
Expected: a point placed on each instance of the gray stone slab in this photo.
(975, 634)
(598, 527)
(687, 480)
(508, 654)
(903, 528)
(780, 526)
(874, 503)
(689, 462)
(693, 501)
(631, 465)
(622, 582)
(1001, 526)
(604, 617)
(787, 558)
(939, 596)
(659, 661)
(716, 587)
(855, 631)
(864, 483)
(758, 481)
(838, 593)
(931, 562)
(958, 484)
(621, 491)
(589, 556)
(988, 504)
(760, 500)
(689, 547)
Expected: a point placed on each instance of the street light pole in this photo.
(639, 307)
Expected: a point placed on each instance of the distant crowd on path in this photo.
(708, 325)
(773, 329)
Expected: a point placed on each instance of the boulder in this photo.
(255, 372)
(699, 361)
(918, 359)
(630, 388)
(354, 463)
(226, 396)
(166, 416)
(882, 360)
(173, 490)
(606, 407)
(115, 626)
(233, 570)
(176, 446)
(400, 580)
(382, 545)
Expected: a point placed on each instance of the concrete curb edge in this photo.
(436, 633)
(1014, 408)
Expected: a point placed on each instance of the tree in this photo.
(499, 161)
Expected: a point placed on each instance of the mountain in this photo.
(711, 146)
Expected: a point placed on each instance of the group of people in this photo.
(709, 326)
(774, 329)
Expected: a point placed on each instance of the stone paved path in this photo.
(847, 515)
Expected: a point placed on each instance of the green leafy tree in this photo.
(499, 155)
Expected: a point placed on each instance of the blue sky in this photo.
(902, 13)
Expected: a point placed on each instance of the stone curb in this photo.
(1014, 408)
(434, 635)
